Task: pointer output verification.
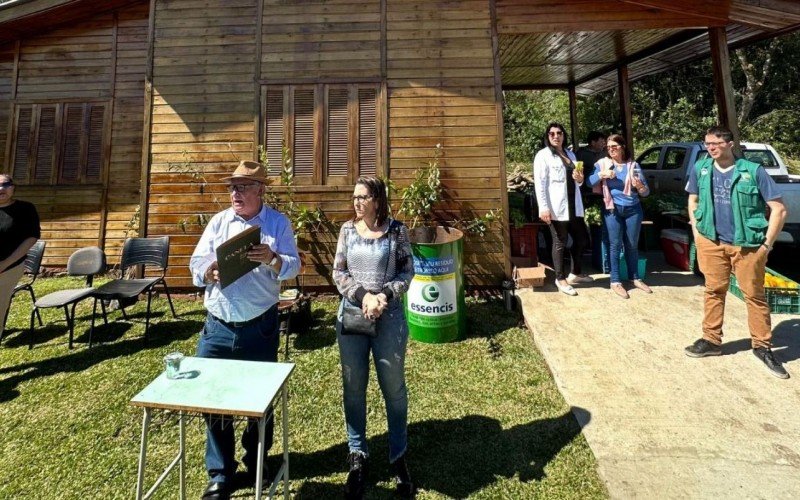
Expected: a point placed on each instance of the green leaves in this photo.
(419, 197)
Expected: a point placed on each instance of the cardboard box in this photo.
(529, 276)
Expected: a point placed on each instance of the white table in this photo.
(224, 387)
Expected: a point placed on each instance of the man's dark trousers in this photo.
(255, 341)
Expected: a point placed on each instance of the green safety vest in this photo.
(749, 210)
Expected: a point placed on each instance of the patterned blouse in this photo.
(373, 265)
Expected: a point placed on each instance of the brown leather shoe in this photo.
(619, 290)
(641, 285)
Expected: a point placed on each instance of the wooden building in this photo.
(126, 115)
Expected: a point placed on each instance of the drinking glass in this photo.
(172, 362)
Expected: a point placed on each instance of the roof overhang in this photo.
(561, 43)
(21, 18)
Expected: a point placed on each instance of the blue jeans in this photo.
(389, 352)
(624, 225)
(256, 341)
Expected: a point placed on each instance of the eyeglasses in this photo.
(714, 144)
(361, 198)
(6, 184)
(556, 133)
(240, 188)
(613, 147)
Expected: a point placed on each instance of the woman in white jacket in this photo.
(557, 184)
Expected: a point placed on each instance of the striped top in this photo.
(373, 265)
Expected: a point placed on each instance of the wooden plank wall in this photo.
(434, 57)
(7, 53)
(74, 63)
(331, 41)
(441, 91)
(202, 117)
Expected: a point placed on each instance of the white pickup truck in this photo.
(666, 167)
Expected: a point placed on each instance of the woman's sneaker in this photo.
(357, 477)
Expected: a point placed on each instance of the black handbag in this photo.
(353, 320)
(355, 323)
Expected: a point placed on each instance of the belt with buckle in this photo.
(241, 324)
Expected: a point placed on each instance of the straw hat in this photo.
(250, 170)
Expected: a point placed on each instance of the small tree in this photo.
(419, 197)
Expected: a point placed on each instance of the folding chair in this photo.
(291, 306)
(33, 262)
(136, 252)
(84, 262)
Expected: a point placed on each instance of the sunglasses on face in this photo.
(239, 188)
(556, 133)
(6, 184)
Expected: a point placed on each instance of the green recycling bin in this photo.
(435, 309)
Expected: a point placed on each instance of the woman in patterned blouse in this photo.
(372, 269)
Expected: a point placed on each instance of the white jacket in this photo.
(550, 181)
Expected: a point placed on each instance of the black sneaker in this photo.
(405, 486)
(702, 348)
(764, 354)
(357, 477)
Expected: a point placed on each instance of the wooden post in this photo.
(498, 101)
(257, 116)
(144, 197)
(723, 84)
(573, 117)
(625, 106)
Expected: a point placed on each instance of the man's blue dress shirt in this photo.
(255, 292)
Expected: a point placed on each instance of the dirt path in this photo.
(661, 424)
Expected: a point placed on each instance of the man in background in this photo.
(728, 199)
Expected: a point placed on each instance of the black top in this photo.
(18, 222)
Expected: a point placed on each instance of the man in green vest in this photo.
(728, 199)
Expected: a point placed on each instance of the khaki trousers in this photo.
(717, 261)
(8, 280)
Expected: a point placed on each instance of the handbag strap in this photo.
(389, 232)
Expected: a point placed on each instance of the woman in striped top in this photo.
(372, 269)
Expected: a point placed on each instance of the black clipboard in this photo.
(232, 256)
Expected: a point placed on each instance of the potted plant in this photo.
(419, 198)
(523, 240)
(435, 307)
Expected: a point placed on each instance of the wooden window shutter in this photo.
(367, 132)
(303, 132)
(22, 143)
(45, 145)
(72, 154)
(337, 133)
(95, 143)
(274, 129)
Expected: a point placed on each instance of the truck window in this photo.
(649, 159)
(763, 157)
(674, 158)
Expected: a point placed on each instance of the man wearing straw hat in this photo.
(242, 320)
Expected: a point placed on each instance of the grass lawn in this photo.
(486, 420)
